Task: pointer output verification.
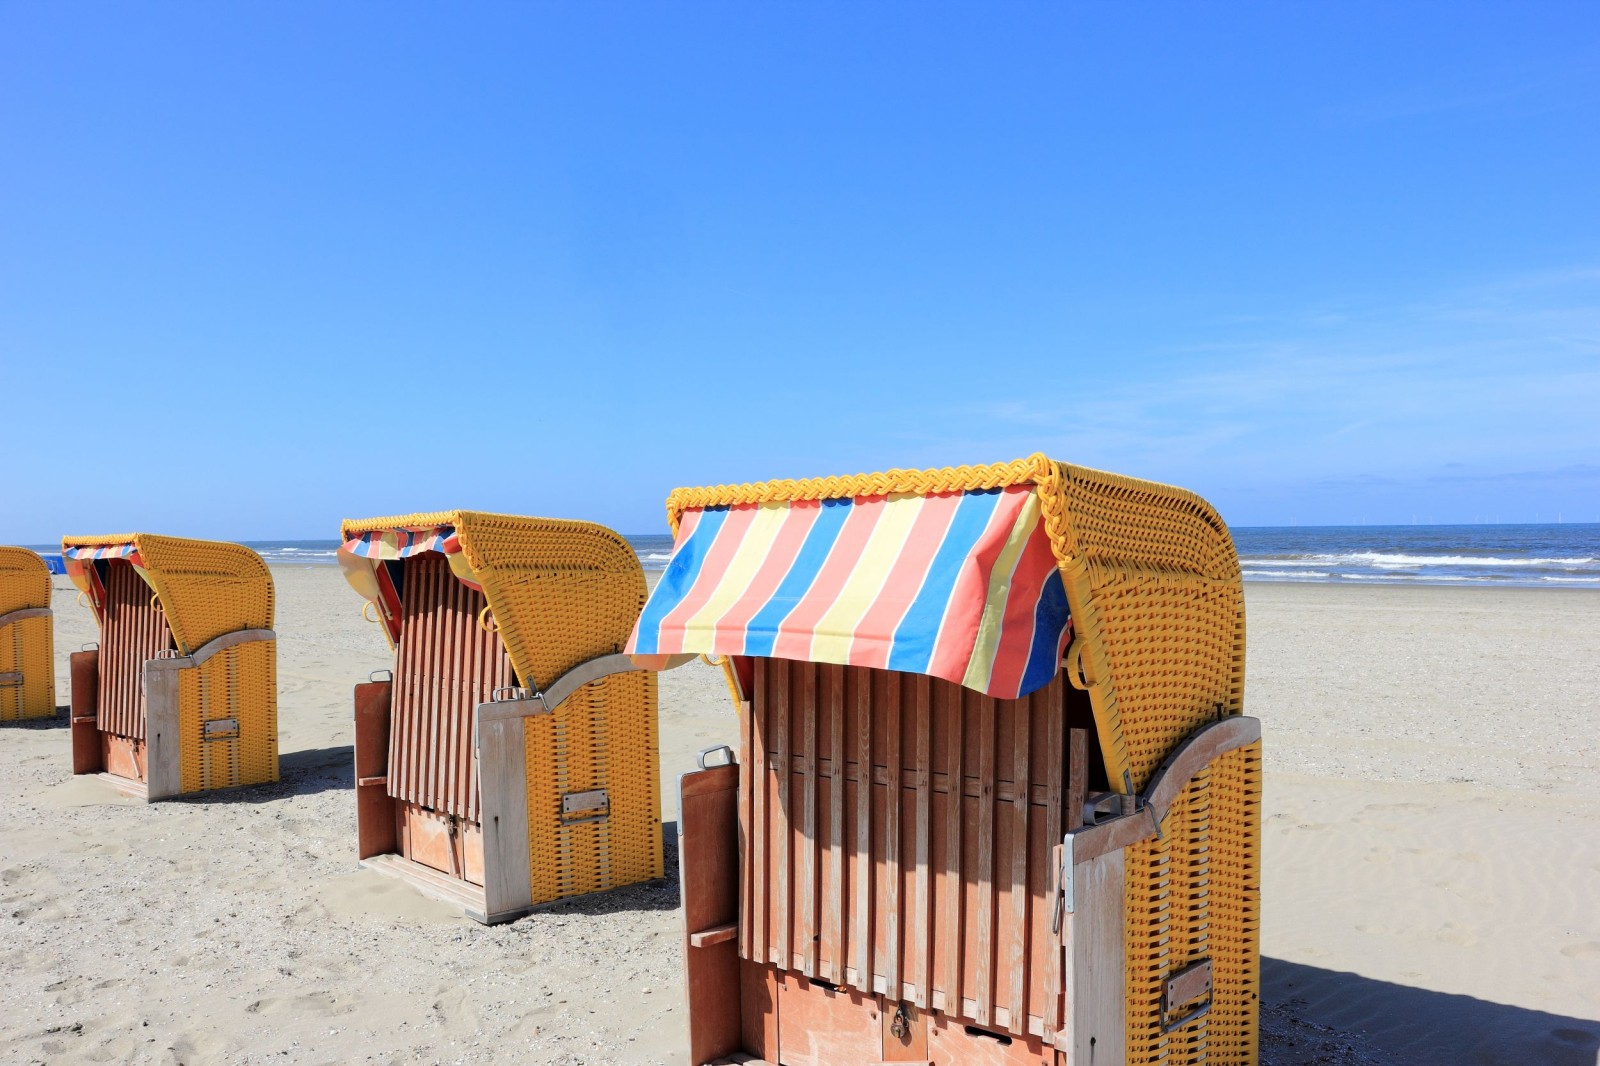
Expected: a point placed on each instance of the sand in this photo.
(1431, 857)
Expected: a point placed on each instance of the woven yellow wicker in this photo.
(215, 601)
(27, 664)
(1153, 586)
(554, 595)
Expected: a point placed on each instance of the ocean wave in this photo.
(1573, 580)
(1308, 575)
(1391, 560)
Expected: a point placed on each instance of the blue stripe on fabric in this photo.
(678, 578)
(761, 632)
(1050, 617)
(918, 631)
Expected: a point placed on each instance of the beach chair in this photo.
(994, 800)
(27, 659)
(181, 694)
(510, 758)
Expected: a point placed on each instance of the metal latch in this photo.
(1182, 989)
(585, 806)
(10, 679)
(221, 729)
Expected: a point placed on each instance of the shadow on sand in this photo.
(1402, 1026)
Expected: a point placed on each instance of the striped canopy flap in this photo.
(958, 585)
(86, 553)
(80, 562)
(363, 558)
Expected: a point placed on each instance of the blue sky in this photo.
(263, 266)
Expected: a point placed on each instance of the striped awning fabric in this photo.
(401, 543)
(86, 553)
(960, 585)
(362, 558)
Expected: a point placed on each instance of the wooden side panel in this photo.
(427, 837)
(446, 665)
(951, 1041)
(708, 834)
(502, 842)
(375, 818)
(821, 1026)
(87, 754)
(758, 1008)
(132, 631)
(901, 832)
(1095, 1029)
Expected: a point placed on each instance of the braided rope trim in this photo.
(101, 541)
(1032, 470)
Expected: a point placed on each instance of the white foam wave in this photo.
(1573, 580)
(1305, 574)
(1390, 560)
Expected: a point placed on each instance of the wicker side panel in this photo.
(134, 630)
(445, 666)
(563, 592)
(24, 580)
(26, 648)
(1236, 906)
(1153, 582)
(1174, 660)
(604, 736)
(1168, 927)
(239, 683)
(207, 587)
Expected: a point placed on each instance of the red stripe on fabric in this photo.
(718, 555)
(1037, 562)
(729, 634)
(795, 632)
(874, 637)
(964, 611)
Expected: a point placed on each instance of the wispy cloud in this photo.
(1404, 389)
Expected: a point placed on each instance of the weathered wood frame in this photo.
(734, 1006)
(500, 748)
(161, 679)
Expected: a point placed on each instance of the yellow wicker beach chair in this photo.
(181, 695)
(995, 800)
(511, 758)
(27, 661)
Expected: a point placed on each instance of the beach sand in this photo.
(1431, 865)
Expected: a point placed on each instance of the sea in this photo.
(1542, 556)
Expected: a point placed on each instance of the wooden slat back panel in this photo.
(133, 630)
(445, 666)
(866, 868)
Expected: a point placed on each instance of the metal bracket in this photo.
(1182, 988)
(585, 806)
(10, 680)
(220, 729)
(374, 675)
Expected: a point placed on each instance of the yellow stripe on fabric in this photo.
(741, 570)
(836, 631)
(981, 665)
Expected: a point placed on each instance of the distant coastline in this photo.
(1546, 555)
